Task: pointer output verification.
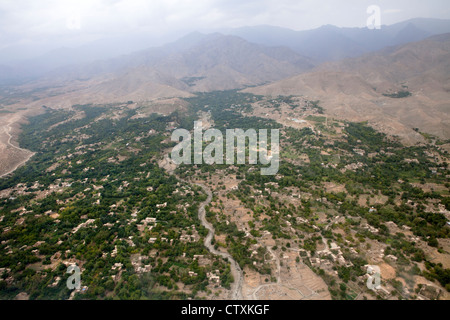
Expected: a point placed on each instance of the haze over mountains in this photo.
(285, 62)
(322, 44)
(194, 63)
(332, 43)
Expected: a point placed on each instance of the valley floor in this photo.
(100, 192)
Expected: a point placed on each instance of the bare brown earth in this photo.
(365, 105)
(435, 256)
(387, 272)
(293, 280)
(11, 155)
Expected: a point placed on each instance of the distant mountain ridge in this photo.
(332, 43)
(352, 88)
(327, 43)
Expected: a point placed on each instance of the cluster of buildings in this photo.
(334, 253)
(138, 267)
(213, 277)
(145, 223)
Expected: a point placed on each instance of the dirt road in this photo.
(236, 271)
(26, 153)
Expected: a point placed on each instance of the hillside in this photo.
(355, 88)
(194, 63)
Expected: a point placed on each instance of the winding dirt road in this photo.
(29, 154)
(236, 271)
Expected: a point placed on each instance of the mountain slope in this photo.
(355, 89)
(194, 63)
(224, 62)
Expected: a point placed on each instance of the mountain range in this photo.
(194, 63)
(358, 87)
(332, 43)
(326, 43)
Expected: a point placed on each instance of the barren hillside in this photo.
(356, 89)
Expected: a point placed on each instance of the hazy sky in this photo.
(75, 22)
